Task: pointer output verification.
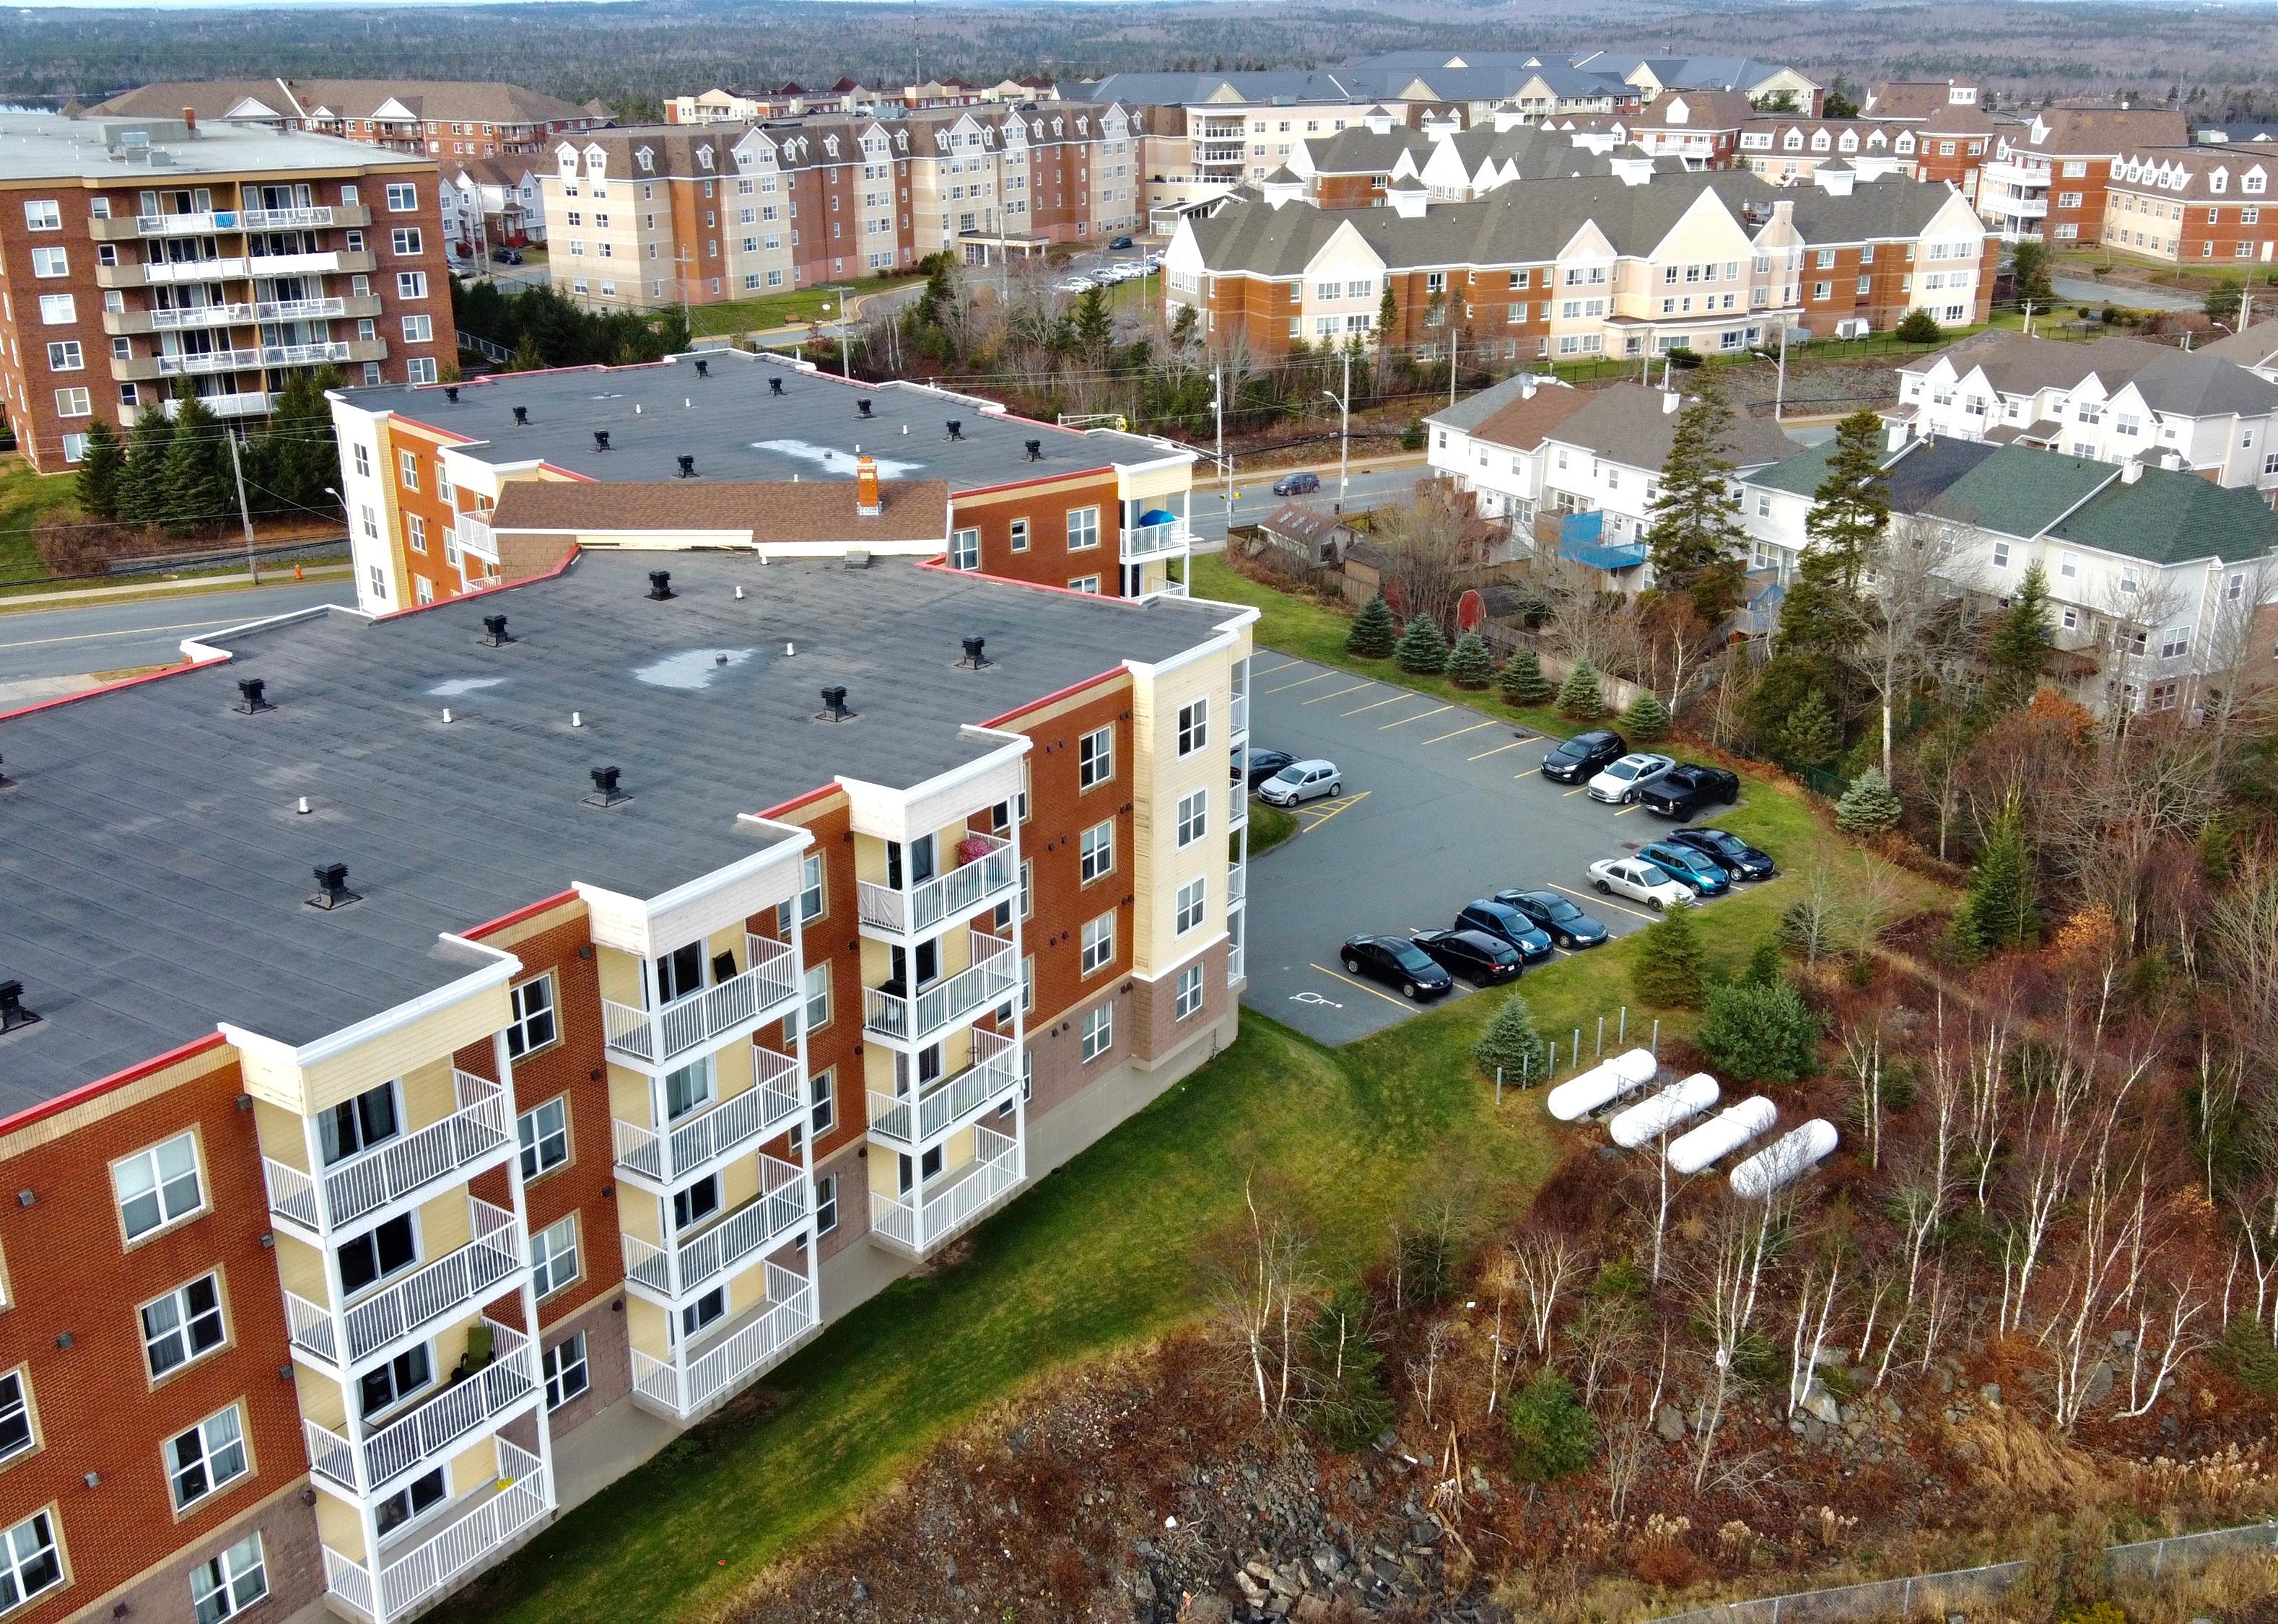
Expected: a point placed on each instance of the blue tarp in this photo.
(1581, 540)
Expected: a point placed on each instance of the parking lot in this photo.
(1442, 805)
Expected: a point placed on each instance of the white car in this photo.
(1073, 284)
(1621, 780)
(1302, 781)
(1640, 881)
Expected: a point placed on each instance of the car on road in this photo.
(1302, 781)
(1263, 763)
(1396, 962)
(1120, 242)
(1580, 758)
(1686, 788)
(1480, 958)
(1505, 922)
(1638, 881)
(1300, 484)
(1566, 926)
(1704, 873)
(507, 257)
(1618, 783)
(1737, 859)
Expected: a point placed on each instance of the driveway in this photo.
(1443, 804)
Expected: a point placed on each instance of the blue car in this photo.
(1697, 869)
(1507, 924)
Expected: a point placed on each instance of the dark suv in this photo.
(1737, 858)
(1505, 923)
(1302, 483)
(1685, 788)
(1584, 756)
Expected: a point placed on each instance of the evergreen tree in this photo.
(1919, 326)
(1824, 610)
(1998, 912)
(1646, 720)
(142, 491)
(1694, 533)
(1095, 323)
(1671, 971)
(1511, 1044)
(1869, 806)
(1578, 696)
(1523, 682)
(296, 456)
(1373, 631)
(1469, 663)
(2030, 274)
(102, 471)
(1553, 1435)
(2021, 642)
(195, 481)
(1387, 317)
(1423, 649)
(1808, 736)
(1754, 1032)
(1765, 966)
(1350, 1405)
(527, 356)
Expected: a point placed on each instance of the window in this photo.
(1189, 997)
(15, 1416)
(50, 262)
(1098, 1032)
(1082, 529)
(43, 215)
(355, 1126)
(815, 1013)
(384, 1252)
(28, 1562)
(1095, 757)
(418, 329)
(810, 884)
(364, 462)
(1194, 815)
(183, 1324)
(58, 310)
(414, 533)
(565, 1371)
(2000, 555)
(405, 239)
(407, 468)
(159, 1187)
(1096, 852)
(1098, 944)
(965, 549)
(403, 198)
(74, 403)
(1083, 583)
(822, 1101)
(533, 1025)
(2175, 642)
(1020, 535)
(411, 285)
(231, 1583)
(65, 355)
(553, 1256)
(207, 1457)
(1191, 896)
(544, 1133)
(1193, 726)
(408, 1502)
(826, 1203)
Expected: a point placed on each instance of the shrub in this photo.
(1765, 962)
(2247, 1352)
(1998, 912)
(1469, 663)
(1553, 1435)
(1755, 1034)
(1350, 1403)
(1511, 1043)
(1413, 436)
(1523, 682)
(1373, 632)
(1671, 969)
(1869, 806)
(1646, 718)
(1808, 736)
(1579, 695)
(1919, 327)
(1423, 649)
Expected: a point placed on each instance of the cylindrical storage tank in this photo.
(1716, 1139)
(1649, 1119)
(1602, 1085)
(1785, 1159)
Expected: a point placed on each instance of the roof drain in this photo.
(833, 706)
(333, 886)
(605, 793)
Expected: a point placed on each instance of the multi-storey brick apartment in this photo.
(2047, 179)
(2208, 204)
(139, 256)
(443, 119)
(808, 913)
(1633, 264)
(424, 469)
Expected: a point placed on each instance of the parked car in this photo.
(1739, 858)
(1120, 242)
(1501, 920)
(1686, 788)
(1480, 958)
(507, 257)
(1638, 881)
(1073, 284)
(1300, 484)
(1263, 764)
(1565, 925)
(1302, 781)
(1396, 963)
(1617, 783)
(1580, 758)
(1704, 873)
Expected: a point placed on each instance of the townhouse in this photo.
(1633, 264)
(1950, 144)
(381, 1192)
(2254, 347)
(1700, 129)
(140, 257)
(425, 471)
(1207, 134)
(2193, 205)
(2048, 178)
(1359, 167)
(443, 119)
(1765, 84)
(491, 204)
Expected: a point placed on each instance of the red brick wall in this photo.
(1348, 191)
(399, 435)
(1046, 505)
(1059, 812)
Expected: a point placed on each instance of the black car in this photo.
(1263, 764)
(1556, 918)
(1500, 920)
(1480, 958)
(1686, 788)
(1737, 858)
(1584, 756)
(1396, 962)
(1120, 242)
(507, 257)
(1302, 483)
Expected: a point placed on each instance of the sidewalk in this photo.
(281, 575)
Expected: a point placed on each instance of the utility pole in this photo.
(845, 366)
(2028, 319)
(2246, 306)
(244, 514)
(1779, 389)
(1454, 339)
(1345, 429)
(1218, 416)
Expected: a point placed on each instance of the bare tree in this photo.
(1264, 1296)
(1726, 1293)
(1917, 618)
(1433, 551)
(1545, 1264)
(1804, 1346)
(2184, 1307)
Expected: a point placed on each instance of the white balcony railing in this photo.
(249, 403)
(1237, 885)
(986, 874)
(1233, 964)
(364, 1466)
(991, 974)
(913, 1119)
(658, 1036)
(480, 1130)
(921, 1220)
(477, 536)
(521, 1495)
(1238, 721)
(742, 1353)
(301, 355)
(200, 224)
(209, 361)
(448, 1286)
(199, 316)
(761, 1112)
(294, 264)
(299, 310)
(1141, 542)
(194, 269)
(783, 1204)
(1238, 810)
(303, 218)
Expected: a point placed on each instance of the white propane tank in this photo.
(1649, 1119)
(1717, 1138)
(1602, 1085)
(1785, 1159)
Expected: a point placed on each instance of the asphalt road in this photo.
(1443, 805)
(2096, 295)
(74, 639)
(1254, 497)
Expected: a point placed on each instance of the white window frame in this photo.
(1188, 997)
(1098, 1032)
(561, 1363)
(529, 1016)
(227, 1585)
(538, 1135)
(826, 1201)
(1095, 852)
(1082, 529)
(222, 1458)
(17, 1562)
(1095, 757)
(145, 1163)
(1194, 725)
(1193, 903)
(182, 1329)
(965, 548)
(548, 1249)
(1097, 950)
(16, 1410)
(1194, 817)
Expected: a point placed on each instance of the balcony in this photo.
(308, 309)
(317, 262)
(444, 1289)
(899, 1019)
(987, 874)
(655, 1038)
(433, 1564)
(1237, 884)
(783, 1204)
(478, 1135)
(202, 362)
(758, 1341)
(2018, 205)
(194, 318)
(2008, 172)
(1164, 540)
(1233, 964)
(476, 537)
(921, 1221)
(302, 354)
(909, 1121)
(1237, 809)
(680, 1152)
(170, 272)
(1238, 718)
(488, 1396)
(245, 404)
(306, 217)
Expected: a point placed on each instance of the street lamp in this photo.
(846, 367)
(1344, 428)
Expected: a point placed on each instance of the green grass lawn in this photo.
(1269, 826)
(781, 309)
(26, 497)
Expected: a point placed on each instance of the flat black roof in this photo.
(153, 867)
(737, 427)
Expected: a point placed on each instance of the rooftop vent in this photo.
(451, 393)
(333, 886)
(522, 416)
(252, 696)
(1036, 450)
(957, 428)
(606, 792)
(974, 659)
(6, 782)
(687, 468)
(833, 706)
(775, 385)
(703, 369)
(494, 631)
(660, 584)
(863, 408)
(600, 439)
(12, 1012)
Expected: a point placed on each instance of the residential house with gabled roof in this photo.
(2256, 348)
(492, 203)
(2209, 205)
(442, 119)
(2048, 178)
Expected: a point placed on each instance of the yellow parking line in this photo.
(1626, 810)
(1395, 699)
(1419, 716)
(1571, 794)
(1361, 985)
(1346, 804)
(1284, 665)
(1598, 900)
(1302, 681)
(1498, 749)
(1459, 732)
(1336, 693)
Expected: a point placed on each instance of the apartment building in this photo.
(365, 1219)
(1633, 264)
(2201, 205)
(424, 469)
(1206, 133)
(1949, 145)
(2047, 179)
(443, 119)
(142, 257)
(1700, 129)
